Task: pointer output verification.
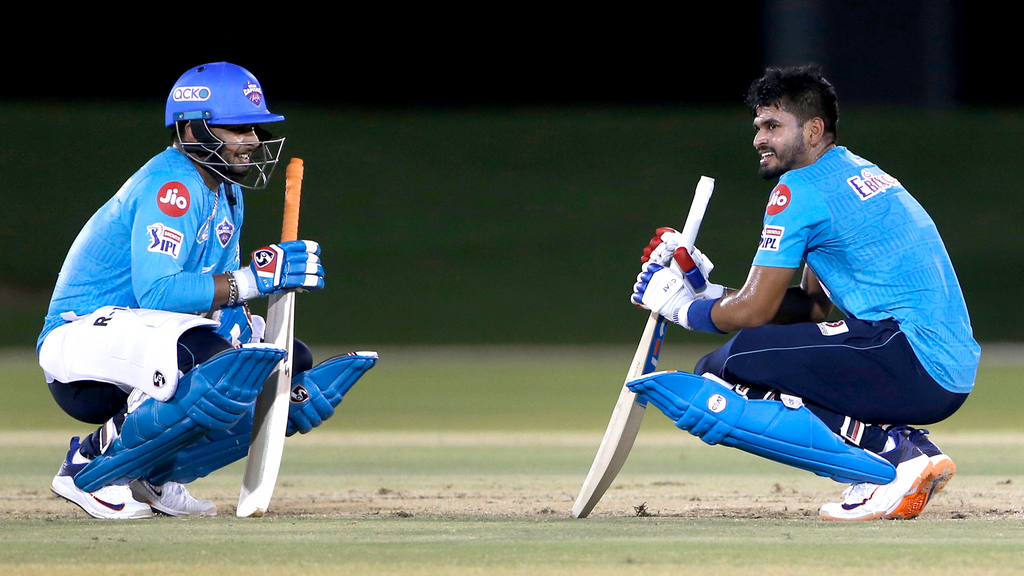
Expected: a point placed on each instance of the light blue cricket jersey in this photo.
(155, 244)
(877, 253)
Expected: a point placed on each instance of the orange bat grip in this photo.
(292, 195)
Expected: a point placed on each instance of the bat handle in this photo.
(292, 197)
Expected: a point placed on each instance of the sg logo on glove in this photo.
(264, 259)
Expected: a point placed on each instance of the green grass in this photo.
(373, 503)
(467, 460)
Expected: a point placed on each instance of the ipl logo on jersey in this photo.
(254, 93)
(771, 237)
(868, 185)
(164, 240)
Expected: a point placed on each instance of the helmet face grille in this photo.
(251, 170)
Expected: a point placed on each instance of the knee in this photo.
(89, 402)
(197, 345)
(302, 356)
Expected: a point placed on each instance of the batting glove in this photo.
(239, 326)
(308, 408)
(294, 264)
(662, 290)
(665, 242)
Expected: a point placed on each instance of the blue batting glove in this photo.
(308, 407)
(284, 266)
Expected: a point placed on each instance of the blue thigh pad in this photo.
(768, 428)
(213, 396)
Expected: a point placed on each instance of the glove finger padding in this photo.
(294, 264)
(654, 244)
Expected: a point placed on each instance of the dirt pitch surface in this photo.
(514, 475)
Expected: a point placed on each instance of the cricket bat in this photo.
(271, 418)
(629, 410)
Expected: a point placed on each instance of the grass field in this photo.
(467, 460)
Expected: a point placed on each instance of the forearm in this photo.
(756, 304)
(182, 292)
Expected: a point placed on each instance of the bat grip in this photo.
(292, 197)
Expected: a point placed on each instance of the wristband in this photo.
(245, 281)
(698, 316)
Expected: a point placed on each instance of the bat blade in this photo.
(629, 410)
(624, 424)
(270, 420)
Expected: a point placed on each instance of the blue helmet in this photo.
(221, 93)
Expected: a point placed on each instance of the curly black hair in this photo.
(800, 90)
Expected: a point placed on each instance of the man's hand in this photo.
(665, 249)
(664, 244)
(662, 290)
(240, 326)
(294, 264)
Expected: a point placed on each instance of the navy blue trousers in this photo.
(868, 373)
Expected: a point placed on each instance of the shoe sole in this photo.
(943, 470)
(74, 495)
(910, 506)
(917, 497)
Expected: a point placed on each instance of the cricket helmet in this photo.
(221, 93)
(224, 94)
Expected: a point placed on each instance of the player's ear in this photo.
(815, 130)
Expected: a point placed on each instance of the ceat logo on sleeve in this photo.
(173, 199)
(779, 199)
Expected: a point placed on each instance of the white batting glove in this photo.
(665, 242)
(662, 290)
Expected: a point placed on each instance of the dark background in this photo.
(491, 174)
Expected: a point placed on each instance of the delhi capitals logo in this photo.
(254, 93)
(224, 232)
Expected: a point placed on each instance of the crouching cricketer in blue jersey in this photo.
(148, 334)
(835, 398)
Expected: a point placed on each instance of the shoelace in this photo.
(861, 491)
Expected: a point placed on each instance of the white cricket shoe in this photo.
(172, 499)
(109, 502)
(902, 499)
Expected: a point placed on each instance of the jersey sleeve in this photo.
(795, 221)
(165, 223)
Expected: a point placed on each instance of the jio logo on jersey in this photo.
(173, 199)
(779, 199)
